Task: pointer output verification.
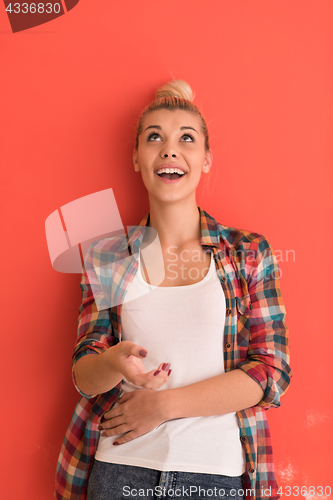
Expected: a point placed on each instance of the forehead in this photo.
(169, 119)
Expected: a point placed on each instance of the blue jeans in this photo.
(109, 481)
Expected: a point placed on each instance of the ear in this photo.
(135, 161)
(208, 161)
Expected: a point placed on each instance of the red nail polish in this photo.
(100, 428)
(115, 442)
(169, 372)
(157, 372)
(104, 435)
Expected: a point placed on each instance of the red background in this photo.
(71, 93)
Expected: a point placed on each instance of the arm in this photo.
(141, 411)
(93, 376)
(100, 362)
(99, 374)
(94, 332)
(225, 393)
(268, 355)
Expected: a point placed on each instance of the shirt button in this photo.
(229, 311)
(224, 279)
(251, 470)
(243, 439)
(227, 345)
(251, 306)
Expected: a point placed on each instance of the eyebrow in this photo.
(160, 128)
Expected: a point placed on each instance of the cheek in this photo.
(195, 158)
(147, 157)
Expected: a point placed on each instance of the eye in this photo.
(151, 135)
(189, 135)
(184, 135)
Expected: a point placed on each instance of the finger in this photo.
(114, 412)
(128, 347)
(125, 439)
(156, 378)
(160, 379)
(125, 397)
(142, 379)
(111, 424)
(157, 374)
(164, 366)
(153, 379)
(116, 431)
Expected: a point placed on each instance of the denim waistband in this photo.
(110, 481)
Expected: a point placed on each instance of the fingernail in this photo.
(143, 354)
(169, 372)
(157, 372)
(100, 428)
(115, 442)
(166, 366)
(104, 434)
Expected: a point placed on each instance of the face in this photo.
(171, 137)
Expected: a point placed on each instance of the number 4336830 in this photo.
(33, 8)
(305, 491)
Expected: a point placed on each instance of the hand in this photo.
(125, 357)
(138, 413)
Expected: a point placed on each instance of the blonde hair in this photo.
(176, 94)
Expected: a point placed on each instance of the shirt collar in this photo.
(210, 234)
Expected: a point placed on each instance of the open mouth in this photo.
(170, 176)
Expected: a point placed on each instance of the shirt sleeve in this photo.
(268, 351)
(94, 332)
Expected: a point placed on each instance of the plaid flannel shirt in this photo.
(255, 340)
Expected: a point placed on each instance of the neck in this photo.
(176, 223)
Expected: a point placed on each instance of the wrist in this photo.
(168, 407)
(109, 360)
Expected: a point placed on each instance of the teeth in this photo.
(170, 171)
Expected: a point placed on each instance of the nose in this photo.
(168, 151)
(166, 155)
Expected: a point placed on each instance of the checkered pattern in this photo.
(255, 341)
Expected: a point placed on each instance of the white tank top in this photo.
(184, 326)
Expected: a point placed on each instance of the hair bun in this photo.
(175, 88)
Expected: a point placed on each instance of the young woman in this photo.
(176, 375)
